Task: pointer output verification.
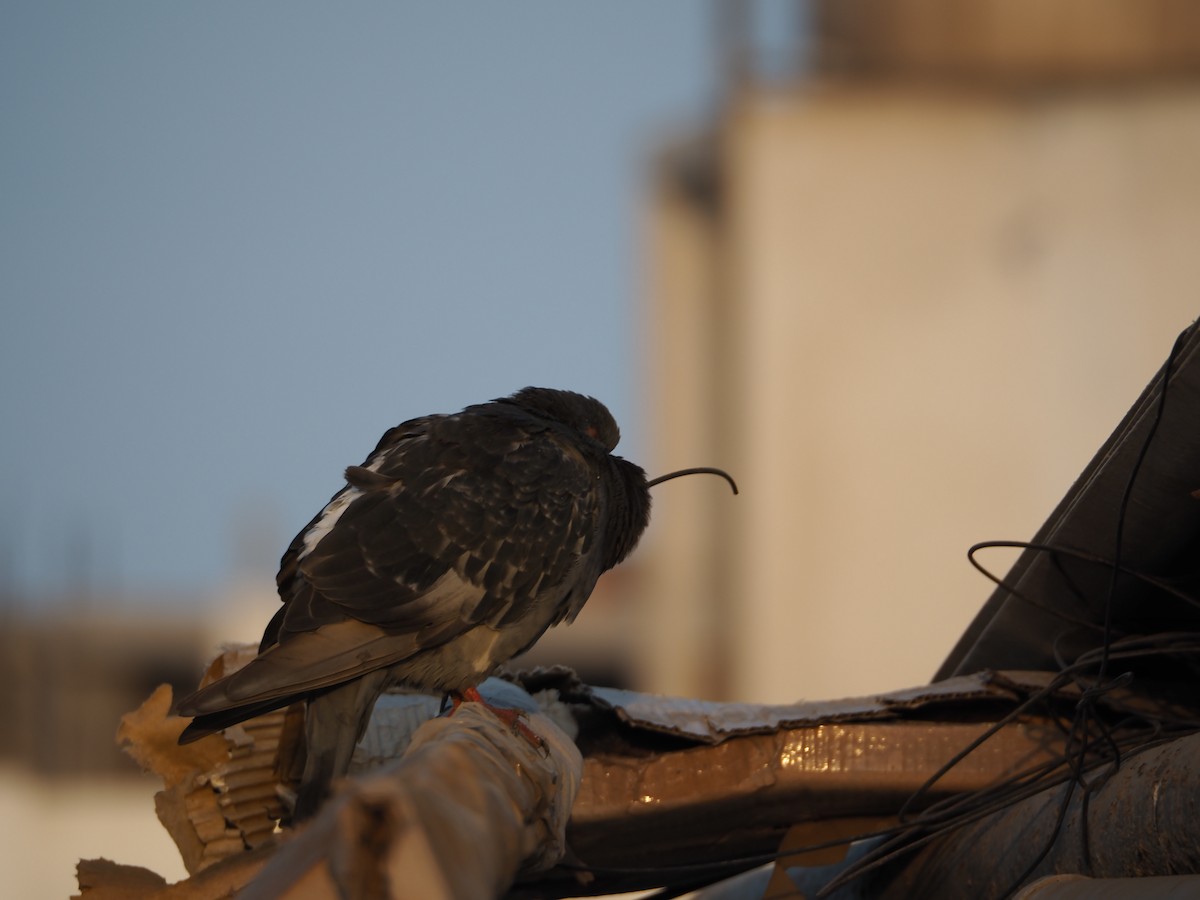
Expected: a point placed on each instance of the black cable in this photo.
(1084, 751)
(1090, 742)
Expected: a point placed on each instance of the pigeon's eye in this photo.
(592, 432)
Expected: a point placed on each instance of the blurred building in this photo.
(902, 294)
(67, 677)
(902, 286)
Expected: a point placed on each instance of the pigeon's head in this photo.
(583, 414)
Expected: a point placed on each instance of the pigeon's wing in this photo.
(288, 580)
(311, 661)
(467, 519)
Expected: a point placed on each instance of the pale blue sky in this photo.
(240, 240)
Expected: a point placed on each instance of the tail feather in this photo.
(307, 662)
(334, 723)
(211, 723)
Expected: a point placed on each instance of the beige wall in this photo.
(910, 321)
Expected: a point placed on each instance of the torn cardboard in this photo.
(665, 781)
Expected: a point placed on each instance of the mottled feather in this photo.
(452, 548)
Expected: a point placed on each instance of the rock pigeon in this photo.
(450, 550)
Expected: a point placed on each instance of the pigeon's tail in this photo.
(228, 701)
(305, 665)
(334, 723)
(210, 723)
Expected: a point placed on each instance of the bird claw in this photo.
(535, 739)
